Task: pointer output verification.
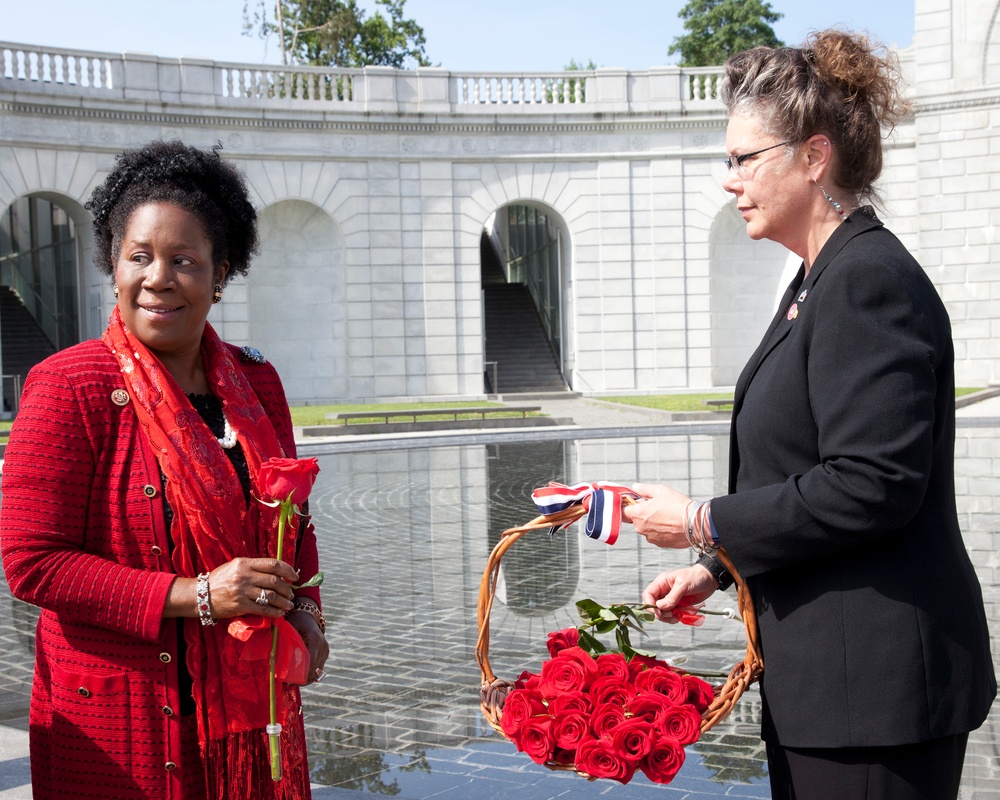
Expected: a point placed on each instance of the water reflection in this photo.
(404, 537)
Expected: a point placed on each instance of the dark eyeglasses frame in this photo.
(736, 162)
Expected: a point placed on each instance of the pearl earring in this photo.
(116, 291)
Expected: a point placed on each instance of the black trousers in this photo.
(924, 771)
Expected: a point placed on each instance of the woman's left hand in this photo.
(660, 517)
(308, 628)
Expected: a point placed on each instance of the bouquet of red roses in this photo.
(606, 713)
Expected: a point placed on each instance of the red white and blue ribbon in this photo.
(602, 500)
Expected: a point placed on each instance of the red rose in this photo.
(571, 703)
(664, 761)
(613, 665)
(568, 730)
(527, 680)
(560, 640)
(598, 759)
(606, 718)
(283, 479)
(649, 706)
(536, 739)
(639, 663)
(665, 681)
(612, 690)
(682, 723)
(633, 739)
(520, 706)
(700, 694)
(566, 673)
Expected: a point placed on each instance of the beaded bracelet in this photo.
(204, 606)
(311, 608)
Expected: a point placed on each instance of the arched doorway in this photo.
(522, 262)
(39, 288)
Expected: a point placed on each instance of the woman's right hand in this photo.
(233, 590)
(681, 587)
(235, 587)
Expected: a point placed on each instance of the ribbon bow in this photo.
(602, 500)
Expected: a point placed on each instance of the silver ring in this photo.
(262, 600)
(320, 674)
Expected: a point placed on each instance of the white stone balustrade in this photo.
(31, 69)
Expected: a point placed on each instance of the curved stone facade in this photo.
(375, 185)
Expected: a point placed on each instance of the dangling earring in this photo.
(830, 200)
(217, 294)
(116, 291)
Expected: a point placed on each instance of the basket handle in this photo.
(740, 677)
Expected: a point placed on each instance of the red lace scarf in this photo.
(212, 525)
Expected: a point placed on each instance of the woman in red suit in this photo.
(129, 513)
(841, 513)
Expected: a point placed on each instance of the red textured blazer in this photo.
(83, 536)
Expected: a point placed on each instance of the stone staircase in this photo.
(516, 341)
(22, 342)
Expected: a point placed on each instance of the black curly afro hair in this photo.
(196, 180)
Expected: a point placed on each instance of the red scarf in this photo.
(212, 525)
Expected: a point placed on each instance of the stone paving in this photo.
(405, 528)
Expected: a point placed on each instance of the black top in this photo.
(209, 407)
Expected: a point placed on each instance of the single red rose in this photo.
(527, 680)
(612, 690)
(700, 694)
(536, 739)
(606, 718)
(664, 761)
(568, 730)
(688, 615)
(649, 706)
(520, 706)
(613, 665)
(682, 723)
(566, 674)
(640, 663)
(571, 703)
(632, 739)
(581, 655)
(560, 640)
(665, 681)
(280, 479)
(598, 759)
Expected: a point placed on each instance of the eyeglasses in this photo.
(736, 162)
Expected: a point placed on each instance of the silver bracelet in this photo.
(204, 605)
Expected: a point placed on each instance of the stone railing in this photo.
(27, 69)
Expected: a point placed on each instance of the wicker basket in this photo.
(494, 690)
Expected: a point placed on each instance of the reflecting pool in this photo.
(404, 537)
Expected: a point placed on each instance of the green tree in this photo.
(338, 33)
(718, 28)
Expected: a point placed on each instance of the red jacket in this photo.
(83, 536)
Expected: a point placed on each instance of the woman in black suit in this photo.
(841, 513)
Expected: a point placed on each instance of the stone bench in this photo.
(412, 414)
(429, 419)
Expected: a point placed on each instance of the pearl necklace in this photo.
(228, 440)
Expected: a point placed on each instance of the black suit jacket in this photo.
(842, 516)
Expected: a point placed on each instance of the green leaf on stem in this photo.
(315, 580)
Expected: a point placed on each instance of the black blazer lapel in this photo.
(859, 222)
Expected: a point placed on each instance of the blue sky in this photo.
(462, 35)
